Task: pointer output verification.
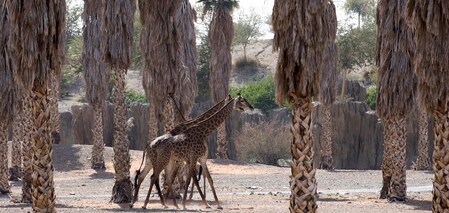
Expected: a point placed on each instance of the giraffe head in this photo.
(241, 103)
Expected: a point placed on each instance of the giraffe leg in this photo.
(203, 197)
(171, 172)
(211, 182)
(139, 179)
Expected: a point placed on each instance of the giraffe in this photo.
(187, 146)
(140, 174)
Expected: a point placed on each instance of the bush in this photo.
(132, 96)
(260, 93)
(371, 95)
(267, 146)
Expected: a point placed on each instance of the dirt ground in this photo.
(240, 187)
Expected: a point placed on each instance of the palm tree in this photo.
(54, 113)
(300, 36)
(27, 144)
(328, 88)
(186, 87)
(7, 90)
(160, 43)
(431, 68)
(23, 75)
(40, 54)
(221, 33)
(395, 96)
(16, 152)
(118, 27)
(422, 161)
(96, 75)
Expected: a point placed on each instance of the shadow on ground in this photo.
(68, 157)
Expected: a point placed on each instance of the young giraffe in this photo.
(189, 147)
(140, 174)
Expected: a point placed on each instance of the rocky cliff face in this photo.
(357, 131)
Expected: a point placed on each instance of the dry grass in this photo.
(267, 146)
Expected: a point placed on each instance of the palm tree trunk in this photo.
(54, 117)
(27, 145)
(43, 192)
(422, 162)
(16, 152)
(395, 129)
(222, 146)
(440, 202)
(386, 163)
(122, 192)
(302, 181)
(98, 143)
(326, 146)
(4, 184)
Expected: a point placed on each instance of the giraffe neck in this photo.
(187, 124)
(214, 121)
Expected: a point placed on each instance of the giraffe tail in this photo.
(136, 178)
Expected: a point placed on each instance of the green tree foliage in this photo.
(365, 9)
(357, 45)
(203, 70)
(247, 29)
(74, 45)
(73, 20)
(133, 96)
(136, 54)
(260, 93)
(371, 95)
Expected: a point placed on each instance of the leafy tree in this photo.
(365, 9)
(203, 71)
(73, 22)
(356, 46)
(136, 54)
(247, 29)
(260, 93)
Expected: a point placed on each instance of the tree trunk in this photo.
(4, 184)
(27, 145)
(422, 162)
(440, 202)
(15, 172)
(222, 145)
(122, 192)
(302, 181)
(326, 146)
(98, 143)
(395, 129)
(43, 192)
(54, 117)
(386, 163)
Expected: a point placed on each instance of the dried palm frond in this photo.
(395, 50)
(300, 35)
(329, 73)
(430, 21)
(186, 87)
(118, 23)
(96, 74)
(160, 43)
(9, 89)
(220, 37)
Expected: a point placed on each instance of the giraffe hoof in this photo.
(144, 207)
(397, 199)
(219, 207)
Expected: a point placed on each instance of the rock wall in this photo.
(357, 132)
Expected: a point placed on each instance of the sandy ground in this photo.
(240, 187)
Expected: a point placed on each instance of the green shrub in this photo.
(246, 65)
(260, 93)
(267, 146)
(133, 96)
(371, 95)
